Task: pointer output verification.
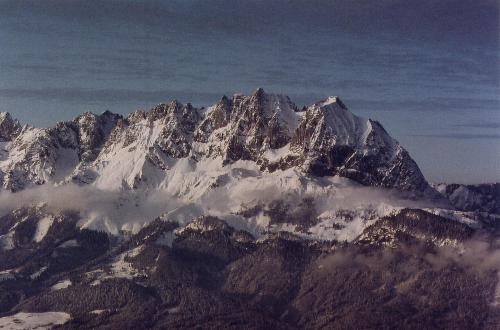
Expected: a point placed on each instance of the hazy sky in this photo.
(428, 70)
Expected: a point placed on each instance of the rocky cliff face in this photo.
(9, 128)
(324, 139)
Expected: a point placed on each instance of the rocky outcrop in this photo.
(93, 131)
(9, 128)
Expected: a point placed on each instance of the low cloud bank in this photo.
(131, 209)
(112, 207)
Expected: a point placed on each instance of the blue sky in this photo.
(428, 70)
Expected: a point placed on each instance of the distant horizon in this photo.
(427, 71)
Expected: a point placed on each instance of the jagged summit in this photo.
(332, 100)
(145, 148)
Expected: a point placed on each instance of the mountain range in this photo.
(251, 213)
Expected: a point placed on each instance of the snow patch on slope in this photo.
(119, 268)
(7, 275)
(61, 285)
(467, 218)
(38, 273)
(42, 228)
(34, 320)
(7, 241)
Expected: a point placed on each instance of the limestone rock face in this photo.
(9, 128)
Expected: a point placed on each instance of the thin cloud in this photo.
(480, 125)
(106, 95)
(460, 136)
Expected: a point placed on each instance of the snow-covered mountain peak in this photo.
(331, 102)
(264, 103)
(277, 109)
(333, 118)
